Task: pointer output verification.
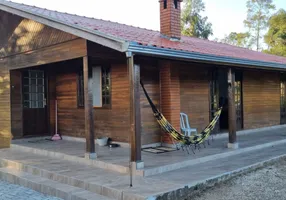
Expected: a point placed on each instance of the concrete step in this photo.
(96, 180)
(46, 186)
(64, 156)
(175, 185)
(88, 178)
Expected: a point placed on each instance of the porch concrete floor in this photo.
(120, 156)
(170, 185)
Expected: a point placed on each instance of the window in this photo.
(165, 4)
(106, 96)
(80, 90)
(176, 4)
(101, 88)
(34, 89)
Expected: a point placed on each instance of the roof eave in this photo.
(94, 36)
(193, 56)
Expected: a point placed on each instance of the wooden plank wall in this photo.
(194, 83)
(5, 117)
(16, 103)
(151, 132)
(261, 99)
(23, 35)
(113, 122)
(70, 117)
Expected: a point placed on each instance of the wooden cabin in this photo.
(83, 75)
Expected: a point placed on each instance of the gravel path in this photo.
(14, 192)
(265, 184)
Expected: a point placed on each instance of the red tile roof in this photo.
(150, 37)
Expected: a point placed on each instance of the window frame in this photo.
(165, 6)
(106, 106)
(79, 96)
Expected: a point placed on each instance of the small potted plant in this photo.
(102, 141)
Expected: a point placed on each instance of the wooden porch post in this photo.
(88, 112)
(135, 115)
(231, 110)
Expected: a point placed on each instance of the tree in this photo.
(258, 13)
(237, 39)
(276, 35)
(193, 24)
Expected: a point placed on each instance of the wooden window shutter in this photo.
(97, 86)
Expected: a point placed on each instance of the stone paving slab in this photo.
(10, 191)
(46, 186)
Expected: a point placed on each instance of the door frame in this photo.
(214, 96)
(240, 72)
(214, 86)
(282, 98)
(47, 107)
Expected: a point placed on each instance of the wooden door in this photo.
(214, 97)
(282, 99)
(34, 103)
(238, 100)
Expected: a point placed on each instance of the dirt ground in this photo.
(265, 184)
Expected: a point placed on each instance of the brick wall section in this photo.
(170, 19)
(170, 95)
(261, 99)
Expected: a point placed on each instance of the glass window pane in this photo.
(33, 74)
(33, 104)
(107, 100)
(33, 88)
(107, 90)
(40, 97)
(40, 104)
(33, 81)
(40, 89)
(33, 97)
(40, 81)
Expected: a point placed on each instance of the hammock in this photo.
(177, 136)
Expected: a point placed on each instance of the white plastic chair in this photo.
(185, 126)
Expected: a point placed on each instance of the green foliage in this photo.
(258, 13)
(276, 35)
(237, 39)
(193, 24)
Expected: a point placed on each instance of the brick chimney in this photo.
(170, 18)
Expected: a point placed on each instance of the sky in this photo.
(225, 15)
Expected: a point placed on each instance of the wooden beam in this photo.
(88, 109)
(135, 115)
(231, 107)
(59, 52)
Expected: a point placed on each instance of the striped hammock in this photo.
(177, 136)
